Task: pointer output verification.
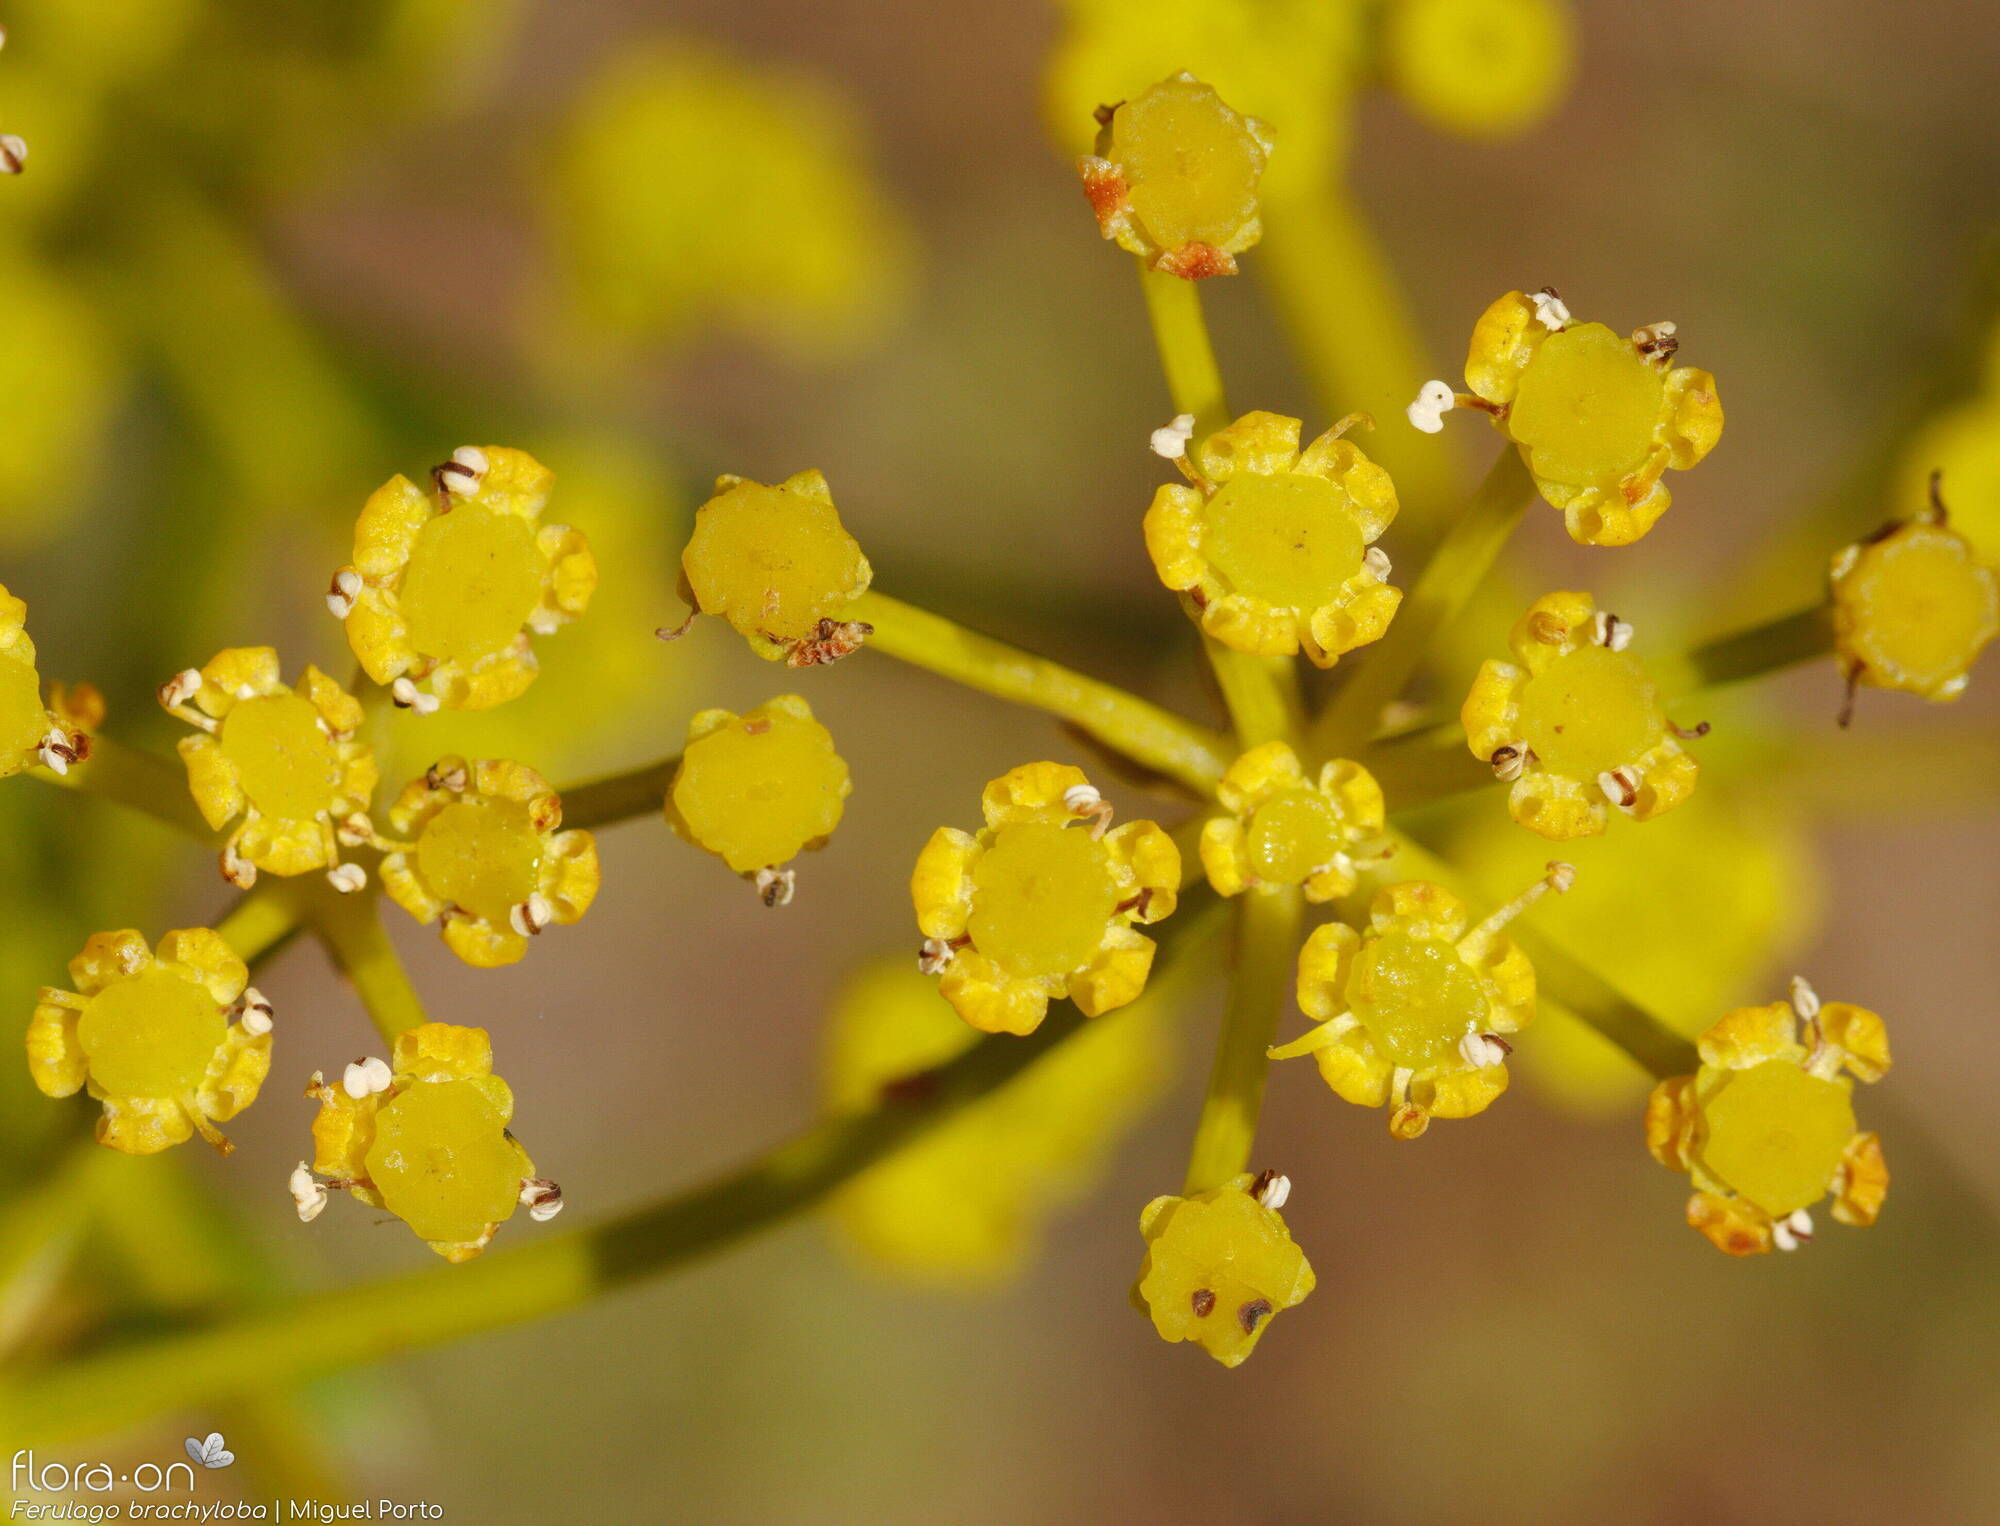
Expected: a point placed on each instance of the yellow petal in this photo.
(107, 957)
(1730, 1224)
(1465, 1093)
(1694, 415)
(1554, 624)
(1032, 792)
(1173, 536)
(990, 1001)
(56, 1060)
(1116, 976)
(1324, 964)
(1421, 909)
(1222, 857)
(1861, 1035)
(212, 779)
(1355, 1075)
(143, 1125)
(444, 1052)
(1862, 1181)
(1259, 442)
(1491, 714)
(1504, 340)
(1153, 861)
(1747, 1036)
(207, 957)
(941, 883)
(1258, 774)
(1672, 1118)
(386, 531)
(1556, 808)
(482, 945)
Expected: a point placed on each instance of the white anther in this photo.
(776, 887)
(1509, 760)
(1480, 1050)
(1273, 1189)
(1606, 629)
(181, 688)
(542, 1198)
(1376, 560)
(1561, 876)
(1434, 401)
(1172, 441)
(1800, 1223)
(13, 154)
(256, 1017)
(408, 696)
(308, 1191)
(1083, 800)
(1550, 310)
(342, 592)
(237, 869)
(366, 1077)
(529, 917)
(1791, 1232)
(1805, 1000)
(934, 956)
(347, 878)
(463, 473)
(1620, 787)
(55, 751)
(355, 830)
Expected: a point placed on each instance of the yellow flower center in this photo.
(482, 855)
(283, 756)
(23, 721)
(1417, 998)
(1290, 541)
(475, 575)
(1042, 896)
(151, 1036)
(757, 798)
(1590, 710)
(1776, 1133)
(1291, 835)
(771, 562)
(442, 1161)
(1919, 608)
(1190, 163)
(1587, 407)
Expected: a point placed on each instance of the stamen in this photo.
(1480, 1050)
(1620, 786)
(1607, 630)
(255, 1012)
(1550, 310)
(1433, 401)
(13, 154)
(1791, 1232)
(937, 953)
(775, 887)
(366, 1077)
(1359, 419)
(347, 878)
(462, 474)
(1376, 560)
(1510, 760)
(237, 869)
(1938, 514)
(1272, 1189)
(1083, 800)
(675, 632)
(529, 917)
(1656, 343)
(342, 592)
(407, 696)
(542, 1198)
(1805, 1000)
(447, 774)
(57, 752)
(1559, 878)
(1171, 442)
(308, 1192)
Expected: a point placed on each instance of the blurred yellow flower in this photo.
(425, 1136)
(1040, 904)
(170, 1042)
(31, 731)
(1219, 1266)
(486, 858)
(1283, 829)
(1575, 722)
(1766, 1126)
(62, 383)
(1479, 68)
(965, 1206)
(786, 236)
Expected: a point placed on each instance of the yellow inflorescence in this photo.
(965, 1206)
(1766, 1126)
(758, 789)
(162, 1039)
(451, 582)
(1479, 68)
(286, 760)
(1174, 178)
(1597, 417)
(1284, 829)
(1406, 1013)
(1219, 1266)
(778, 565)
(433, 1147)
(1041, 903)
(485, 857)
(1576, 723)
(30, 731)
(1913, 608)
(1272, 543)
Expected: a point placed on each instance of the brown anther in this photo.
(935, 953)
(1136, 904)
(542, 1198)
(1620, 787)
(1102, 113)
(449, 773)
(1196, 261)
(1509, 761)
(460, 476)
(1700, 730)
(830, 641)
(342, 591)
(1252, 1314)
(1271, 1188)
(1203, 1300)
(1656, 343)
(776, 887)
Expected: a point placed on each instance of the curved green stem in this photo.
(1194, 381)
(1267, 934)
(602, 802)
(351, 928)
(263, 922)
(1784, 642)
(1261, 694)
(318, 1333)
(1142, 731)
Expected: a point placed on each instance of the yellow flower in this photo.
(30, 731)
(287, 761)
(787, 236)
(484, 855)
(1219, 1265)
(965, 1205)
(1174, 178)
(1479, 68)
(426, 1138)
(1283, 829)
(778, 565)
(171, 1042)
(1597, 418)
(758, 789)
(1273, 544)
(1410, 1013)
(445, 586)
(1913, 607)
(1040, 904)
(1766, 1126)
(1575, 722)
(62, 381)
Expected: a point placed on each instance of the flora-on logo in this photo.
(209, 1451)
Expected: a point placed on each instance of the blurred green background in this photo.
(268, 252)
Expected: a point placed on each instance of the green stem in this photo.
(1267, 933)
(263, 922)
(1194, 381)
(1260, 693)
(1453, 574)
(139, 781)
(620, 797)
(1358, 343)
(308, 1336)
(1144, 732)
(1802, 636)
(351, 928)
